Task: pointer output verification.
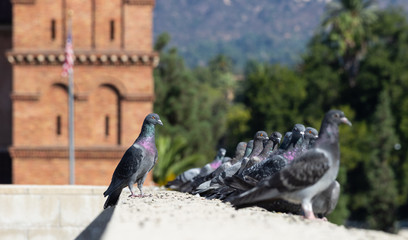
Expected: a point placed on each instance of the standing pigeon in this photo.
(137, 161)
(310, 174)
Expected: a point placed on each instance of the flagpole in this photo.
(71, 114)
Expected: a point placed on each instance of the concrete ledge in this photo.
(47, 212)
(174, 215)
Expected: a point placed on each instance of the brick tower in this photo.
(113, 86)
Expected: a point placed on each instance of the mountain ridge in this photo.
(271, 31)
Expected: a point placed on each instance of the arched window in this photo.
(106, 115)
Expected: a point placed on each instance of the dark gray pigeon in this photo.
(239, 152)
(259, 138)
(137, 161)
(269, 147)
(290, 148)
(312, 134)
(291, 138)
(310, 174)
(183, 178)
(303, 144)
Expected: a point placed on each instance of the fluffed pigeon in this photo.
(137, 161)
(309, 174)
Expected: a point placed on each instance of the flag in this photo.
(69, 57)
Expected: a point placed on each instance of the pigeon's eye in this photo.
(153, 117)
(336, 115)
(261, 134)
(310, 131)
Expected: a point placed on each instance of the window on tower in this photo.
(53, 30)
(112, 30)
(58, 125)
(106, 125)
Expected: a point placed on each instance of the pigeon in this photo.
(239, 152)
(204, 171)
(312, 134)
(277, 161)
(183, 178)
(137, 161)
(237, 168)
(309, 174)
(302, 144)
(269, 147)
(208, 171)
(291, 138)
(259, 137)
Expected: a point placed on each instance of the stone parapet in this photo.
(47, 212)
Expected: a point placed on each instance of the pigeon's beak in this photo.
(345, 121)
(303, 133)
(160, 122)
(278, 139)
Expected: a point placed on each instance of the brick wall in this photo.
(53, 171)
(118, 90)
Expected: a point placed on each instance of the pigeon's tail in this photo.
(238, 183)
(253, 197)
(112, 198)
(175, 184)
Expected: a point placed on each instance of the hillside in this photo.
(272, 31)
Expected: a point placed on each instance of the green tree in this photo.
(346, 23)
(193, 105)
(273, 94)
(382, 193)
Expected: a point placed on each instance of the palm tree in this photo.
(346, 29)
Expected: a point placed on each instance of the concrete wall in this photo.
(47, 212)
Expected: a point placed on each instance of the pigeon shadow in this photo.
(97, 227)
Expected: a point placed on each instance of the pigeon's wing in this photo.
(266, 168)
(305, 171)
(127, 166)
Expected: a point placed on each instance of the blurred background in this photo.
(229, 68)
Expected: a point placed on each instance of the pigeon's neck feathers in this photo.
(328, 137)
(267, 149)
(258, 147)
(147, 137)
